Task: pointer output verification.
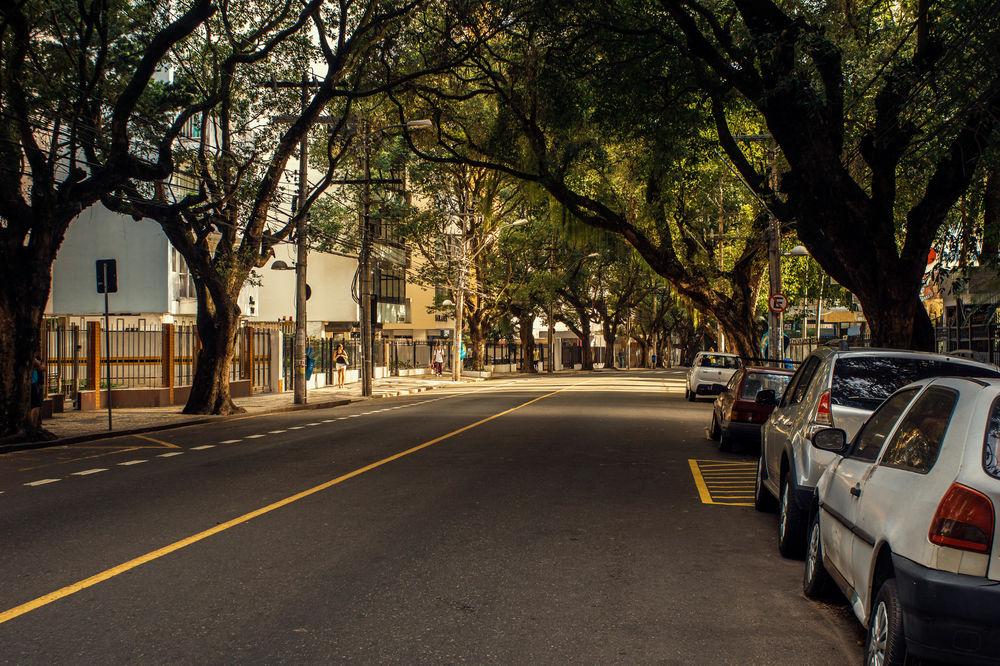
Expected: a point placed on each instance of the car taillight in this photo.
(823, 414)
(963, 520)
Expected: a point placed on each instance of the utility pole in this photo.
(302, 252)
(456, 363)
(367, 324)
(775, 335)
(549, 342)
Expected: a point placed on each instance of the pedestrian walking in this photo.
(438, 361)
(341, 360)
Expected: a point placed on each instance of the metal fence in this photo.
(65, 355)
(141, 358)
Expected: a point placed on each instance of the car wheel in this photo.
(691, 396)
(725, 441)
(886, 642)
(713, 431)
(791, 524)
(816, 581)
(763, 501)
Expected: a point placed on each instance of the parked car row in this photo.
(883, 468)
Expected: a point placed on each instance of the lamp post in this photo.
(464, 261)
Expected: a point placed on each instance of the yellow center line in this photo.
(107, 574)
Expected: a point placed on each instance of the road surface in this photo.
(575, 518)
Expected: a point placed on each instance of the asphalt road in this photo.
(551, 519)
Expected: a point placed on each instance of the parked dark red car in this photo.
(736, 416)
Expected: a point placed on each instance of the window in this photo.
(734, 381)
(990, 462)
(865, 381)
(873, 433)
(719, 361)
(763, 381)
(918, 439)
(183, 283)
(390, 286)
(801, 381)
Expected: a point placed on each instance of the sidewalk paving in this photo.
(75, 426)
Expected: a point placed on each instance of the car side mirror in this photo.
(766, 397)
(831, 439)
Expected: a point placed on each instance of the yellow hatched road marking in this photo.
(720, 483)
(107, 574)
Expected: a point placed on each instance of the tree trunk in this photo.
(24, 292)
(609, 328)
(587, 358)
(25, 281)
(218, 323)
(900, 320)
(527, 345)
(477, 342)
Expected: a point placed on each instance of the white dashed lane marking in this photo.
(231, 441)
(312, 424)
(275, 432)
(90, 471)
(254, 436)
(41, 482)
(203, 447)
(171, 454)
(295, 428)
(131, 462)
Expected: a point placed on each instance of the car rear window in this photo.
(719, 361)
(864, 382)
(759, 381)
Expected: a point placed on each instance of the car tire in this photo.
(791, 524)
(886, 641)
(763, 500)
(691, 396)
(816, 581)
(725, 441)
(713, 431)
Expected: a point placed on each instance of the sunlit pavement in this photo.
(543, 519)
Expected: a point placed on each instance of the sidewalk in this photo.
(75, 426)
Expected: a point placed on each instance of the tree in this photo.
(78, 84)
(882, 120)
(240, 207)
(611, 143)
(456, 228)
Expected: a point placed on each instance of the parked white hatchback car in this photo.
(709, 374)
(905, 523)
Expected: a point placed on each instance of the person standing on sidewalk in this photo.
(340, 358)
(438, 360)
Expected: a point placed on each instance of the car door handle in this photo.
(856, 490)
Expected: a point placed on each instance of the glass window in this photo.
(761, 381)
(719, 361)
(869, 442)
(865, 381)
(918, 439)
(734, 381)
(807, 371)
(990, 462)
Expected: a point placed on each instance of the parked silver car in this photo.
(832, 388)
